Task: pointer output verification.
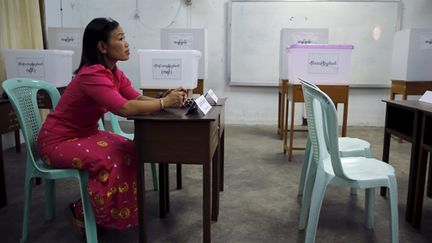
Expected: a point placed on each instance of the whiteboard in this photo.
(254, 37)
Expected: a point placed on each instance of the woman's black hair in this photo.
(98, 29)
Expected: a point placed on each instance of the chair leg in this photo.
(89, 220)
(154, 176)
(28, 185)
(305, 167)
(49, 199)
(318, 192)
(394, 223)
(307, 194)
(369, 207)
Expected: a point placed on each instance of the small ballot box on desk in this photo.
(52, 66)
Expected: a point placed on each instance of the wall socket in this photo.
(188, 2)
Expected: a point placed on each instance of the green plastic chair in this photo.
(115, 125)
(22, 95)
(329, 168)
(348, 147)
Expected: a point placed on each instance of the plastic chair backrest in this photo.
(115, 125)
(23, 95)
(323, 127)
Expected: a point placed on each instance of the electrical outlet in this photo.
(188, 2)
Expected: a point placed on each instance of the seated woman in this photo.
(69, 137)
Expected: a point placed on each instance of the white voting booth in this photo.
(412, 55)
(53, 66)
(187, 39)
(297, 36)
(66, 39)
(319, 63)
(168, 69)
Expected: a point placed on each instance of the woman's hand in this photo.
(175, 98)
(171, 90)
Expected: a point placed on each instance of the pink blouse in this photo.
(94, 91)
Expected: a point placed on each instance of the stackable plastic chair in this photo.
(22, 95)
(348, 147)
(329, 168)
(115, 125)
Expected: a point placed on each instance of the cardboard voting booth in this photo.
(319, 63)
(412, 55)
(187, 39)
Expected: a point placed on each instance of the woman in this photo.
(69, 137)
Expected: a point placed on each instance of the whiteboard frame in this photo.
(268, 83)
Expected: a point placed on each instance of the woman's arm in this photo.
(139, 105)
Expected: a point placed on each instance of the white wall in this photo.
(245, 105)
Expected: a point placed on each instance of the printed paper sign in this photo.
(426, 97)
(181, 40)
(425, 40)
(322, 63)
(212, 96)
(68, 39)
(203, 104)
(167, 68)
(30, 67)
(304, 38)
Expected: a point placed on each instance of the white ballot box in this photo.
(61, 38)
(166, 69)
(187, 39)
(53, 66)
(298, 36)
(319, 63)
(412, 55)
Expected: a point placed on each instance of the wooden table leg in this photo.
(285, 127)
(142, 229)
(179, 176)
(17, 141)
(279, 114)
(291, 132)
(419, 190)
(429, 186)
(3, 196)
(222, 161)
(215, 183)
(207, 202)
(282, 98)
(163, 190)
(385, 156)
(345, 119)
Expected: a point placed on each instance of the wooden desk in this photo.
(283, 88)
(338, 93)
(156, 93)
(425, 148)
(8, 123)
(172, 137)
(406, 119)
(406, 88)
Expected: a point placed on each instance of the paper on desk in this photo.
(426, 97)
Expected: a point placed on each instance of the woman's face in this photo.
(117, 48)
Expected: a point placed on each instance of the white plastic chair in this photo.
(329, 168)
(348, 147)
